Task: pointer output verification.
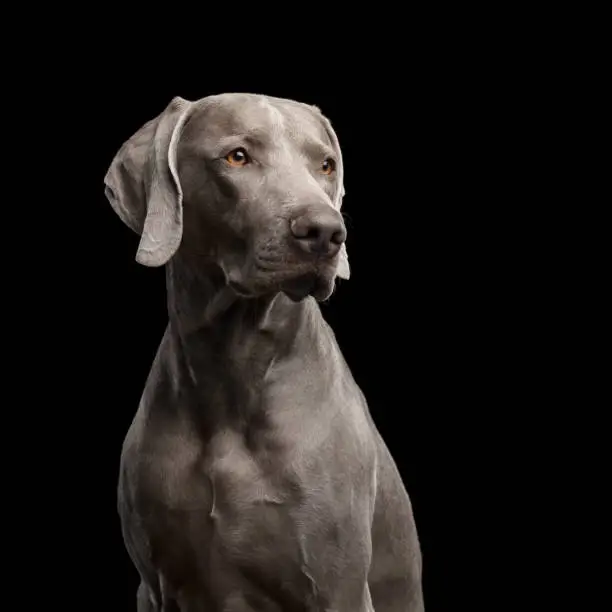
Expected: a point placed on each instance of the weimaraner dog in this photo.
(252, 477)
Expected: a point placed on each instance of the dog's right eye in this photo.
(237, 157)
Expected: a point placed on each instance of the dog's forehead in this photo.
(237, 114)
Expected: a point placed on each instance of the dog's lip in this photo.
(307, 284)
(296, 281)
(301, 282)
(288, 272)
(267, 263)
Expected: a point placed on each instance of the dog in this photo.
(252, 477)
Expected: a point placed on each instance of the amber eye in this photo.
(328, 166)
(237, 157)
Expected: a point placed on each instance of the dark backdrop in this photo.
(421, 321)
(464, 240)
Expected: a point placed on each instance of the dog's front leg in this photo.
(146, 601)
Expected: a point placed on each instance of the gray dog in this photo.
(253, 477)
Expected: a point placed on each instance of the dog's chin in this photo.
(312, 284)
(316, 283)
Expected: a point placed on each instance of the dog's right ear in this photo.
(143, 187)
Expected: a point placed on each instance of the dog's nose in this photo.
(321, 233)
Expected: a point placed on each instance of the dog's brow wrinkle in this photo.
(318, 149)
(254, 137)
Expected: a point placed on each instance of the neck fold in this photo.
(229, 342)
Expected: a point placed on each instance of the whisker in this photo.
(347, 219)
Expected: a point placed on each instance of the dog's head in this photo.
(251, 182)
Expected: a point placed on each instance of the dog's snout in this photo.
(320, 233)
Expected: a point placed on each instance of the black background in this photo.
(467, 320)
(430, 321)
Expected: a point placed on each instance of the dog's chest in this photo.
(241, 478)
(267, 512)
(271, 511)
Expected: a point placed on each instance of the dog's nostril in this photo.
(300, 228)
(318, 234)
(338, 237)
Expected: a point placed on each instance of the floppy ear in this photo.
(143, 187)
(344, 269)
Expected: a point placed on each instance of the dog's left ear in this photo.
(344, 269)
(143, 187)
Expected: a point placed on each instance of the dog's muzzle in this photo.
(317, 232)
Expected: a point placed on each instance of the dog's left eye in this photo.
(328, 166)
(237, 157)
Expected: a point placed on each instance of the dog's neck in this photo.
(229, 340)
(197, 294)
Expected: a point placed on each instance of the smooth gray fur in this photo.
(252, 476)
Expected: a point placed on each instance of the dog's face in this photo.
(258, 181)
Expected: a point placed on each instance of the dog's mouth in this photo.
(295, 288)
(296, 281)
